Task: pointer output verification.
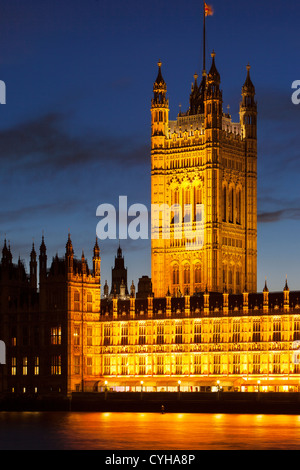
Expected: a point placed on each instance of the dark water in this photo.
(147, 431)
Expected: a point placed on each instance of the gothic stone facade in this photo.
(203, 158)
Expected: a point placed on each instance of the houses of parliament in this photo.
(199, 322)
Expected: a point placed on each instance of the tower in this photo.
(248, 119)
(204, 160)
(119, 276)
(96, 260)
(33, 268)
(69, 256)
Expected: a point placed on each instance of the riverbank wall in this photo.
(161, 402)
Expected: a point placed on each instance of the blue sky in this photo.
(75, 131)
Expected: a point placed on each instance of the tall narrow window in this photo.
(77, 336)
(106, 365)
(276, 330)
(186, 274)
(239, 207)
(160, 365)
(175, 214)
(217, 332)
(160, 333)
(142, 334)
(76, 300)
(13, 366)
(89, 301)
(256, 330)
(106, 336)
(175, 275)
(124, 334)
(14, 336)
(236, 331)
(186, 201)
(276, 364)
(56, 365)
(217, 364)
(178, 333)
(55, 335)
(77, 365)
(236, 361)
(197, 332)
(197, 364)
(231, 205)
(89, 336)
(197, 202)
(124, 366)
(224, 204)
(197, 274)
(25, 366)
(178, 365)
(36, 365)
(142, 365)
(89, 365)
(256, 364)
(296, 335)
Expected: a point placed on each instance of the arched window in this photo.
(76, 300)
(197, 202)
(224, 204)
(225, 275)
(175, 275)
(239, 206)
(231, 205)
(186, 201)
(197, 274)
(89, 300)
(186, 274)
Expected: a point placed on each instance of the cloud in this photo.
(61, 207)
(275, 105)
(276, 216)
(44, 143)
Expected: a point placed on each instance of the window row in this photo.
(215, 333)
(198, 364)
(35, 336)
(24, 367)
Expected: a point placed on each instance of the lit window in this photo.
(56, 335)
(76, 300)
(89, 336)
(25, 365)
(13, 366)
(89, 365)
(89, 302)
(77, 365)
(36, 365)
(56, 365)
(76, 335)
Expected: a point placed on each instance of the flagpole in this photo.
(204, 38)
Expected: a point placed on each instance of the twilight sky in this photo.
(75, 131)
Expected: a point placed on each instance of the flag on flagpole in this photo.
(208, 10)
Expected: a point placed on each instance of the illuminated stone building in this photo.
(205, 326)
(235, 341)
(43, 320)
(205, 158)
(198, 323)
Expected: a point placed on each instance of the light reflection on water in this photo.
(148, 431)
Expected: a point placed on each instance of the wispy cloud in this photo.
(45, 144)
(276, 216)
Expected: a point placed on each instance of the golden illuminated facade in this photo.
(238, 341)
(200, 323)
(63, 338)
(203, 158)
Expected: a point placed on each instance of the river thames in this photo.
(147, 431)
